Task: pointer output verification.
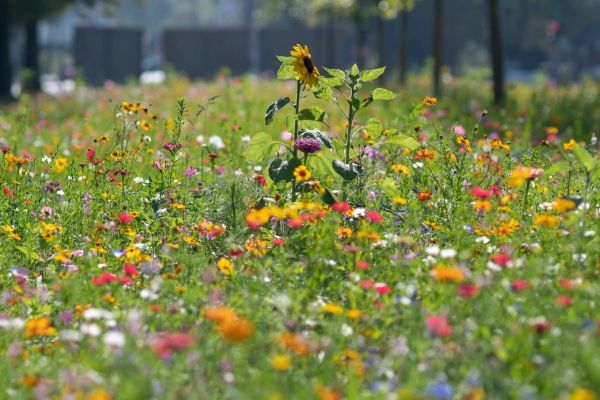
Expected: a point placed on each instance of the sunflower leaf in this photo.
(371, 74)
(346, 171)
(585, 159)
(312, 114)
(286, 71)
(274, 107)
(259, 147)
(383, 94)
(283, 170)
(286, 59)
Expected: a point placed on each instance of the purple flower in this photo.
(190, 171)
(307, 145)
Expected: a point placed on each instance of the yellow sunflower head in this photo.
(305, 70)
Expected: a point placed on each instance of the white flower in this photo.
(580, 257)
(482, 240)
(70, 335)
(90, 329)
(114, 339)
(589, 233)
(346, 330)
(46, 159)
(216, 142)
(246, 139)
(447, 253)
(432, 250)
(199, 139)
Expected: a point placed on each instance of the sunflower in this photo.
(306, 71)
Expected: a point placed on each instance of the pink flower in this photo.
(374, 217)
(125, 218)
(481, 193)
(340, 207)
(459, 130)
(103, 278)
(362, 264)
(467, 290)
(382, 288)
(563, 301)
(438, 324)
(170, 342)
(130, 270)
(501, 259)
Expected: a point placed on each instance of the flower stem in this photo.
(349, 131)
(295, 151)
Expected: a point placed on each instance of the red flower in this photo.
(567, 284)
(382, 288)
(367, 284)
(103, 278)
(278, 241)
(125, 218)
(362, 264)
(130, 270)
(467, 290)
(169, 342)
(341, 207)
(374, 217)
(563, 301)
(501, 259)
(519, 285)
(481, 193)
(8, 192)
(438, 324)
(90, 155)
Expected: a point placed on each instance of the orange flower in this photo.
(424, 196)
(294, 342)
(425, 154)
(219, 314)
(429, 101)
(39, 327)
(236, 329)
(447, 274)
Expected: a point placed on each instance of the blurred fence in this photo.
(108, 54)
(115, 54)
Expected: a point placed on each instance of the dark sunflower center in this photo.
(309, 65)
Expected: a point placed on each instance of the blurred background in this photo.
(53, 45)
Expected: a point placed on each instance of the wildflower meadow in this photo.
(322, 235)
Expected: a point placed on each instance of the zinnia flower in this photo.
(307, 145)
(306, 71)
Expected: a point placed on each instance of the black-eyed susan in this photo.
(302, 173)
(305, 70)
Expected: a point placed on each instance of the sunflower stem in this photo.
(295, 151)
(349, 131)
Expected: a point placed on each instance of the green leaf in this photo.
(273, 108)
(383, 94)
(354, 71)
(346, 171)
(388, 186)
(402, 141)
(283, 170)
(259, 147)
(374, 126)
(585, 159)
(327, 197)
(312, 114)
(286, 59)
(317, 135)
(337, 77)
(557, 167)
(29, 253)
(321, 163)
(286, 71)
(371, 74)
(322, 91)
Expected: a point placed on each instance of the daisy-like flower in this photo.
(306, 71)
(302, 173)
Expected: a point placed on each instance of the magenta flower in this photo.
(307, 145)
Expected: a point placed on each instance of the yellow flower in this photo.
(429, 101)
(225, 266)
(482, 206)
(306, 71)
(583, 394)
(400, 169)
(60, 164)
(354, 314)
(99, 394)
(145, 126)
(547, 220)
(401, 201)
(332, 309)
(562, 205)
(281, 362)
(178, 206)
(302, 173)
(569, 145)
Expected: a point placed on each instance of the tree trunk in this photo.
(438, 25)
(497, 53)
(403, 60)
(5, 67)
(31, 61)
